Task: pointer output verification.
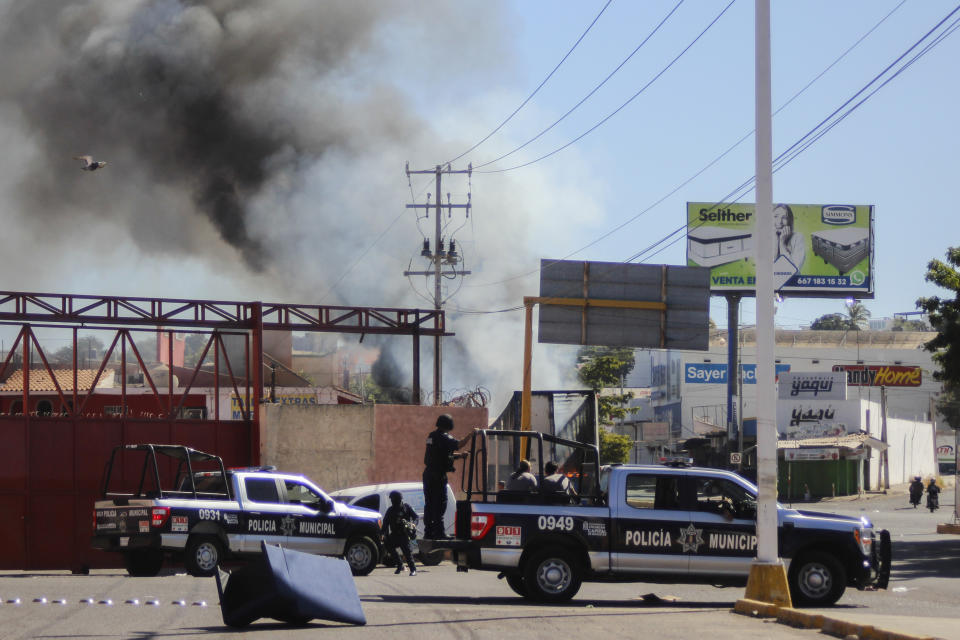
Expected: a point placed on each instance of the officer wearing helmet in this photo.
(438, 461)
(399, 527)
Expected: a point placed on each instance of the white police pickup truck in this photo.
(644, 523)
(212, 513)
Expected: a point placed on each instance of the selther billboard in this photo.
(819, 250)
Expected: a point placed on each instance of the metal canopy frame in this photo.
(163, 315)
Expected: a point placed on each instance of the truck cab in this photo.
(208, 513)
(649, 523)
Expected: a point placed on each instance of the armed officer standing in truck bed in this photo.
(438, 461)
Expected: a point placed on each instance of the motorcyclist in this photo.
(933, 495)
(916, 491)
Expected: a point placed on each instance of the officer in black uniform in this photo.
(399, 527)
(438, 461)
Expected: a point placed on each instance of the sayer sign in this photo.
(872, 375)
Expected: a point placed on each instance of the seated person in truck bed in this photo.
(522, 479)
(554, 482)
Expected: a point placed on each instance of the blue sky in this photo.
(895, 152)
(341, 95)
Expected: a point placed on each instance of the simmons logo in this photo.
(839, 214)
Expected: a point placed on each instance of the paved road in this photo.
(437, 604)
(924, 597)
(924, 591)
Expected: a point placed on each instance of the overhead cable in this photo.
(586, 97)
(615, 111)
(825, 125)
(540, 86)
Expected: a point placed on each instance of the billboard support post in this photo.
(733, 333)
(768, 578)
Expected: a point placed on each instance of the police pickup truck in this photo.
(213, 513)
(642, 523)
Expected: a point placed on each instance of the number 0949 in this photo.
(555, 523)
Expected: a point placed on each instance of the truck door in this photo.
(725, 514)
(649, 524)
(262, 517)
(314, 528)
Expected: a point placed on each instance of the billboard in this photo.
(799, 419)
(813, 385)
(820, 250)
(716, 373)
(881, 375)
(618, 304)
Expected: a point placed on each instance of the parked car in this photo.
(377, 498)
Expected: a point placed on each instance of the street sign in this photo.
(734, 458)
(617, 304)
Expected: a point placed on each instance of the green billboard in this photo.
(820, 250)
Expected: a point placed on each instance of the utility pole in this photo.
(439, 258)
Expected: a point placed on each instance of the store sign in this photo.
(945, 449)
(798, 419)
(859, 375)
(712, 373)
(818, 453)
(820, 250)
(813, 386)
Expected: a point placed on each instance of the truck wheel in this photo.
(143, 563)
(431, 559)
(552, 575)
(362, 555)
(817, 579)
(515, 580)
(202, 555)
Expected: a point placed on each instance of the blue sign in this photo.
(710, 373)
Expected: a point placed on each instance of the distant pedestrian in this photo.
(933, 495)
(399, 527)
(916, 491)
(438, 461)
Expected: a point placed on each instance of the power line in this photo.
(740, 187)
(540, 86)
(814, 134)
(587, 97)
(618, 109)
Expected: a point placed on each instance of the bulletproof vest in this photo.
(438, 456)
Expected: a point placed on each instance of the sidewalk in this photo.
(865, 626)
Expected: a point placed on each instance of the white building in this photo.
(689, 391)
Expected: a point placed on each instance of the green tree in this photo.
(830, 322)
(855, 318)
(605, 368)
(944, 314)
(89, 352)
(614, 447)
(902, 324)
(858, 316)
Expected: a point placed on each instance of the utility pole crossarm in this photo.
(442, 206)
(439, 257)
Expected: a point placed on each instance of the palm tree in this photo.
(858, 316)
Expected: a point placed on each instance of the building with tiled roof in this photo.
(41, 381)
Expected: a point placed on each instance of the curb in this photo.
(833, 626)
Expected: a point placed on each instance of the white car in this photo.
(377, 497)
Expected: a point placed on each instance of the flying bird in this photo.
(89, 164)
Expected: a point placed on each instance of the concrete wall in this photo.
(911, 450)
(331, 444)
(401, 436)
(340, 446)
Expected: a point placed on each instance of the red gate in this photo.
(56, 431)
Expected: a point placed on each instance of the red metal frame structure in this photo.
(50, 465)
